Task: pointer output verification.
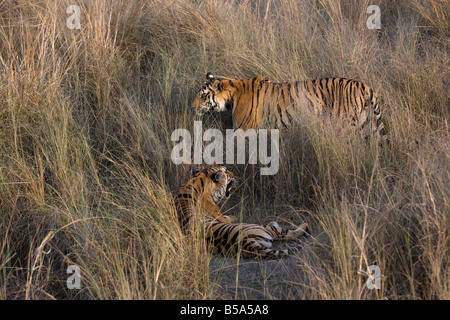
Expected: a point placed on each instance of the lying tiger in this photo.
(198, 198)
(253, 102)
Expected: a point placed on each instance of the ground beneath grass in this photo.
(234, 278)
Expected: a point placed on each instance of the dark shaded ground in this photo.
(234, 278)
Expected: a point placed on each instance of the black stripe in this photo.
(217, 232)
(235, 236)
(249, 116)
(256, 236)
(184, 195)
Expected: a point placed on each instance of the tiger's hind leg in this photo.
(264, 250)
(279, 233)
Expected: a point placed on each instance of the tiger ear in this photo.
(209, 77)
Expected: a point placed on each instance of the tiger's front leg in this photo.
(251, 248)
(214, 212)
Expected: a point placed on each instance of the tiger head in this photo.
(212, 96)
(222, 181)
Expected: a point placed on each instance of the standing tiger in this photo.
(198, 198)
(257, 100)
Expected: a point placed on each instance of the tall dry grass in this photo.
(86, 117)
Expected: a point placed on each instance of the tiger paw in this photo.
(302, 230)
